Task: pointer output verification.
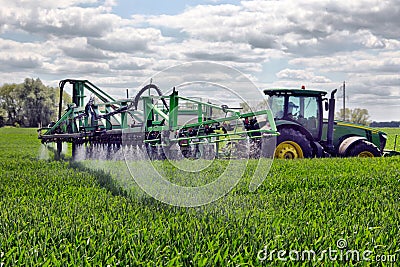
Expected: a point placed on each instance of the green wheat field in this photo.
(58, 213)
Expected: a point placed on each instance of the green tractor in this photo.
(304, 133)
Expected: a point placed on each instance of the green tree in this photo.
(341, 115)
(39, 102)
(357, 115)
(11, 103)
(360, 116)
(3, 114)
(30, 103)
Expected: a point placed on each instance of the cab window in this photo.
(276, 104)
(305, 110)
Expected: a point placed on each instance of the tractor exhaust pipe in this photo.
(331, 118)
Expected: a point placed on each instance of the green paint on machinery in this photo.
(156, 121)
(304, 133)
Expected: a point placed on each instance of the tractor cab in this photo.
(301, 107)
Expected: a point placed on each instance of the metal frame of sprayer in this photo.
(106, 121)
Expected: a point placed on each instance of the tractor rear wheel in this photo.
(292, 144)
(364, 149)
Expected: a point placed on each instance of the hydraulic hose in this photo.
(144, 89)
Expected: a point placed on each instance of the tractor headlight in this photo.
(383, 139)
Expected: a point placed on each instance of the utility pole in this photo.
(344, 100)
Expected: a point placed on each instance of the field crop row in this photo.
(57, 213)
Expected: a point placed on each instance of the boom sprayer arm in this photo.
(121, 122)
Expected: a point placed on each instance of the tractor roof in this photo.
(294, 92)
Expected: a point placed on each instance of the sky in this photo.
(119, 44)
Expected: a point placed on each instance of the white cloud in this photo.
(16, 56)
(132, 63)
(387, 61)
(315, 43)
(63, 20)
(128, 40)
(28, 4)
(302, 75)
(79, 48)
(299, 27)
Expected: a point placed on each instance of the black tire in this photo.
(293, 136)
(364, 148)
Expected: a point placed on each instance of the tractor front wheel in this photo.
(292, 144)
(364, 149)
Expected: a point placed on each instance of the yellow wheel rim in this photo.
(288, 150)
(366, 154)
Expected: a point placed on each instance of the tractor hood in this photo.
(343, 129)
(358, 126)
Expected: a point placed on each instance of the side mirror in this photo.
(326, 104)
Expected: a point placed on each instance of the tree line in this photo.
(356, 115)
(385, 124)
(29, 104)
